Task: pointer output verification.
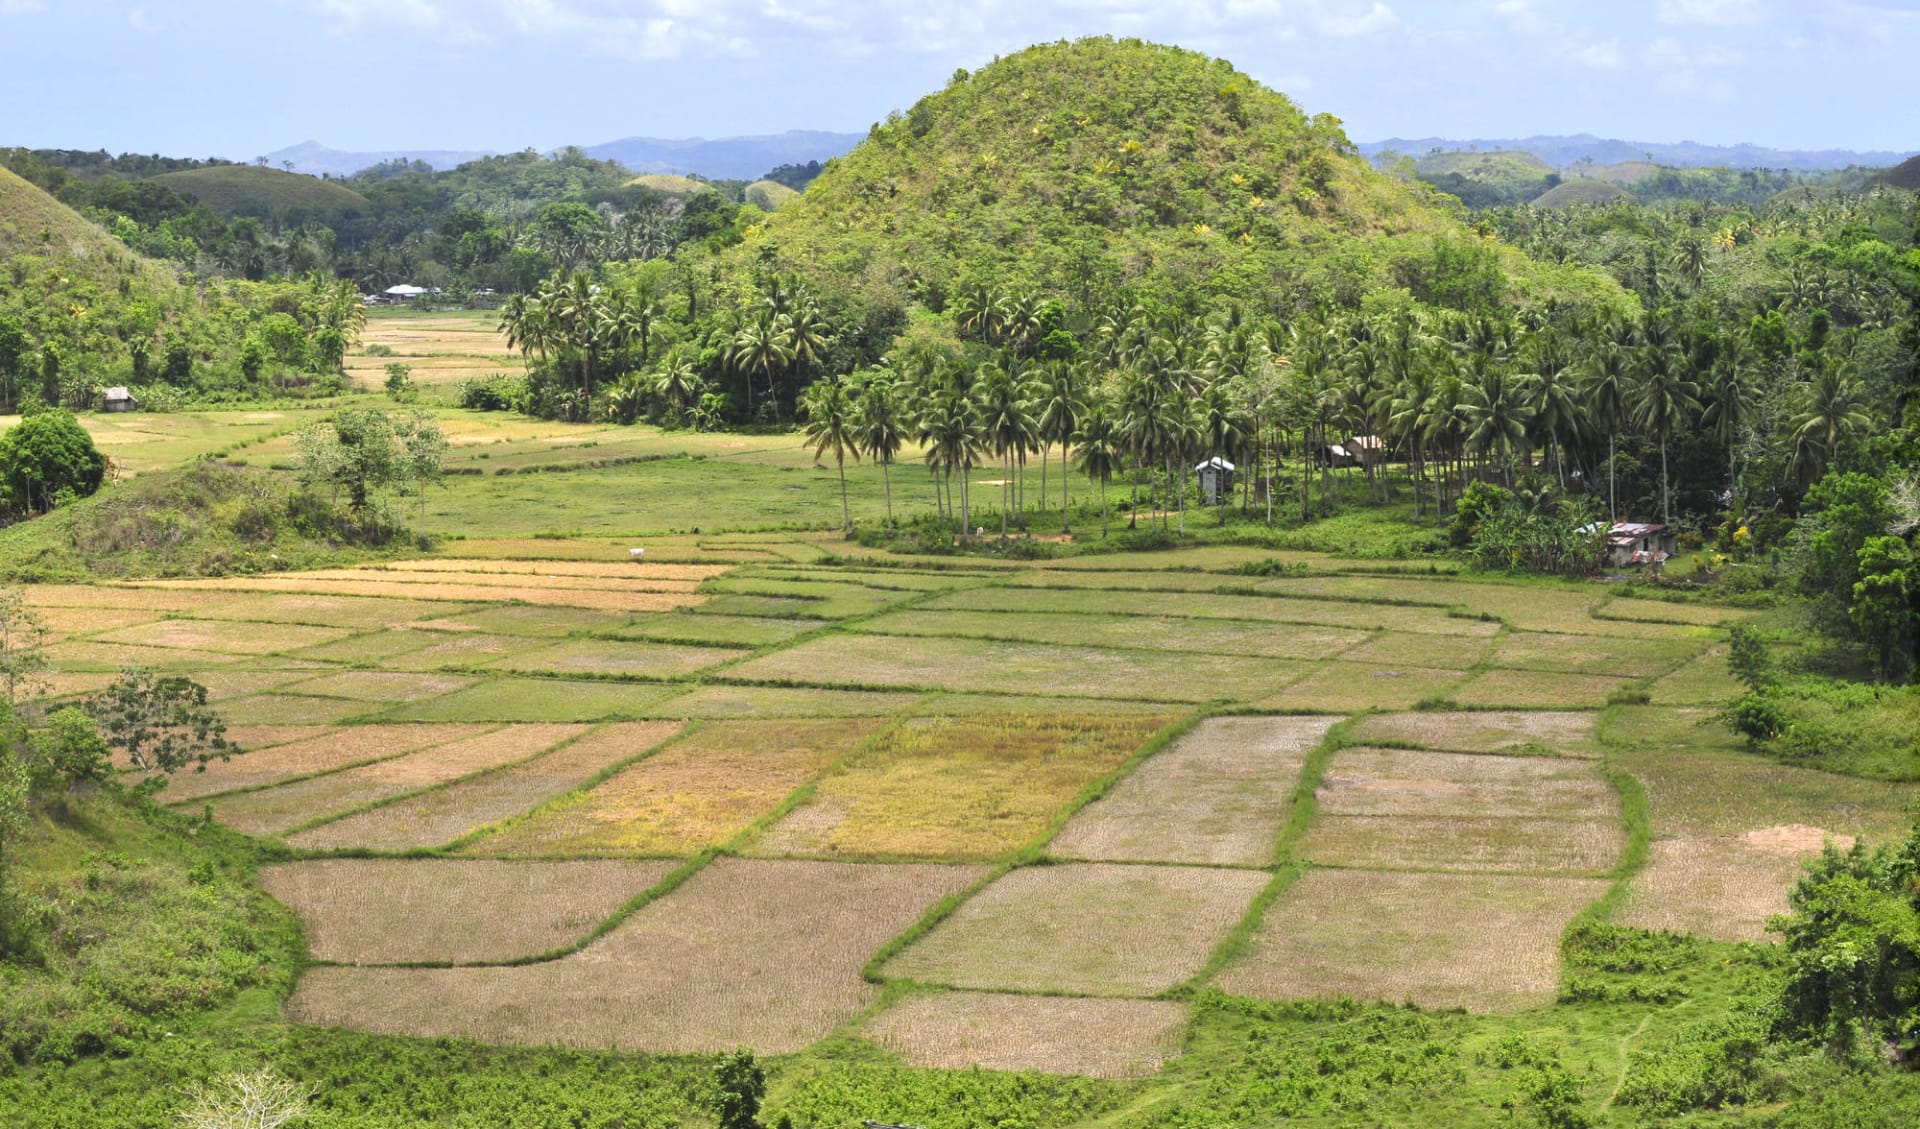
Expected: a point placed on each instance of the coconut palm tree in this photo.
(879, 432)
(1061, 403)
(1099, 446)
(760, 346)
(830, 424)
(679, 386)
(948, 427)
(1498, 411)
(1554, 402)
(1664, 401)
(1831, 413)
(1006, 421)
(1729, 407)
(1604, 394)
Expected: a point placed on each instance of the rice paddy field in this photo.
(775, 790)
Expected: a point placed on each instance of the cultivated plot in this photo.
(696, 793)
(76, 655)
(1408, 648)
(1625, 657)
(439, 650)
(224, 636)
(1662, 611)
(720, 702)
(1481, 942)
(1346, 686)
(608, 656)
(977, 786)
(463, 911)
(373, 583)
(538, 699)
(1566, 733)
(271, 811)
(363, 613)
(1100, 1038)
(1219, 795)
(292, 709)
(1094, 929)
(524, 619)
(381, 686)
(1017, 668)
(336, 749)
(1529, 689)
(439, 817)
(713, 630)
(1261, 640)
(1706, 681)
(756, 953)
(1724, 888)
(1274, 609)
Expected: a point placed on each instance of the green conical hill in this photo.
(1906, 174)
(251, 190)
(1082, 167)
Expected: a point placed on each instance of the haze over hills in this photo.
(721, 158)
(1563, 150)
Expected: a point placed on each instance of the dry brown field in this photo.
(1486, 731)
(1218, 796)
(759, 953)
(1344, 686)
(463, 911)
(607, 656)
(335, 749)
(1093, 929)
(1479, 942)
(1525, 689)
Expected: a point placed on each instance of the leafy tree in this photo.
(45, 459)
(161, 722)
(1853, 949)
(1844, 512)
(399, 383)
(1883, 603)
(740, 1084)
(367, 452)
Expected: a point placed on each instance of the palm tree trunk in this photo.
(886, 476)
(1065, 518)
(1006, 491)
(1103, 508)
(1666, 502)
(1613, 504)
(1043, 477)
(846, 515)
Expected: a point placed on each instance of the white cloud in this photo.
(1605, 55)
(21, 7)
(1715, 13)
(1348, 25)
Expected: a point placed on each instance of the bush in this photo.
(493, 394)
(46, 459)
(1758, 717)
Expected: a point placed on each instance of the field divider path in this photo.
(1286, 869)
(1033, 854)
(352, 723)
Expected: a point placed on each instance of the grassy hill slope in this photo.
(1906, 174)
(1627, 173)
(770, 195)
(1579, 192)
(671, 184)
(1083, 167)
(251, 190)
(1509, 164)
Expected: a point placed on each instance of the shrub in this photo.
(48, 457)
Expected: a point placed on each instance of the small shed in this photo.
(117, 399)
(1216, 480)
(1631, 543)
(1368, 450)
(1335, 455)
(404, 292)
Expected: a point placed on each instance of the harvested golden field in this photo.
(1724, 888)
(960, 787)
(755, 953)
(1586, 654)
(1051, 1034)
(66, 621)
(519, 619)
(62, 685)
(1480, 942)
(1096, 929)
(1016, 668)
(382, 686)
(271, 811)
(467, 911)
(1523, 689)
(335, 749)
(1486, 731)
(438, 817)
(608, 656)
(696, 793)
(1219, 795)
(225, 637)
(364, 613)
(439, 349)
(88, 596)
(77, 655)
(641, 573)
(371, 583)
(1343, 686)
(528, 580)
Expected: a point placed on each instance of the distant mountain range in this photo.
(725, 158)
(314, 159)
(1561, 151)
(722, 158)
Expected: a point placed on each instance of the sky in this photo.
(241, 78)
